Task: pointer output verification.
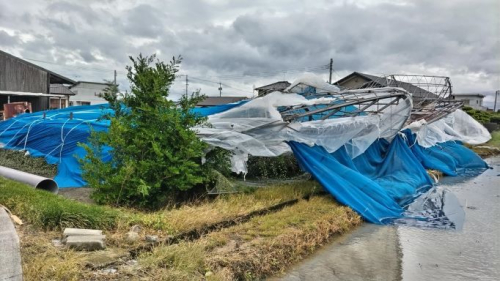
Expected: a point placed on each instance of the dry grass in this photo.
(264, 246)
(42, 261)
(41, 210)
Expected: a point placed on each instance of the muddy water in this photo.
(411, 253)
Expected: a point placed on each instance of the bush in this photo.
(281, 167)
(154, 153)
(495, 119)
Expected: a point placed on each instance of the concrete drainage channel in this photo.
(10, 255)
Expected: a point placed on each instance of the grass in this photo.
(19, 161)
(262, 247)
(491, 148)
(495, 139)
(53, 212)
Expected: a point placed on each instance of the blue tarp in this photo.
(377, 184)
(452, 157)
(387, 177)
(57, 136)
(338, 175)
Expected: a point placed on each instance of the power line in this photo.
(219, 83)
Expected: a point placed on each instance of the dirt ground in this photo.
(80, 194)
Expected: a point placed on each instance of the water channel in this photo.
(374, 252)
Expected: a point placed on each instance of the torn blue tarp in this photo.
(451, 157)
(338, 175)
(377, 184)
(394, 167)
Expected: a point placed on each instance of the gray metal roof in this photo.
(276, 86)
(60, 89)
(376, 81)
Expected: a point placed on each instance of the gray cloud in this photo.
(226, 40)
(7, 40)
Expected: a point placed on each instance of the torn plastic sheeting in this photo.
(450, 157)
(457, 126)
(394, 167)
(311, 80)
(377, 184)
(346, 184)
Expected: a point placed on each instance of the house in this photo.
(473, 100)
(25, 82)
(212, 101)
(88, 93)
(277, 86)
(357, 80)
(60, 90)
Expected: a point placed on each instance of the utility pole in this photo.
(187, 85)
(495, 105)
(331, 70)
(220, 89)
(114, 80)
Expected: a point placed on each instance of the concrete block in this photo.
(86, 243)
(80, 232)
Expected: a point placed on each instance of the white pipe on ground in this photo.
(37, 182)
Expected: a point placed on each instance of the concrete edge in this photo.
(10, 250)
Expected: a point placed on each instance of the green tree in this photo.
(155, 154)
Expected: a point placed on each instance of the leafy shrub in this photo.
(281, 167)
(155, 154)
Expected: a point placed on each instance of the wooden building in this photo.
(22, 81)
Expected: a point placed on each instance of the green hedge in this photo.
(53, 212)
(281, 167)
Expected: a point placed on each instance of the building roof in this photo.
(28, 94)
(90, 82)
(211, 101)
(60, 89)
(376, 81)
(54, 77)
(474, 95)
(276, 86)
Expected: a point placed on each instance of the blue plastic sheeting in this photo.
(338, 175)
(206, 111)
(56, 137)
(452, 157)
(394, 167)
(377, 184)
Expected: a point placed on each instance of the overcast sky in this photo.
(249, 43)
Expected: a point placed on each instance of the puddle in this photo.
(451, 249)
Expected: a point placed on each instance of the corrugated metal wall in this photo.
(15, 75)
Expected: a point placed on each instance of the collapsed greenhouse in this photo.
(368, 147)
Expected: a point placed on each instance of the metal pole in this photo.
(331, 70)
(115, 78)
(495, 105)
(186, 86)
(220, 89)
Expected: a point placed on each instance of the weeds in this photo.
(19, 161)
